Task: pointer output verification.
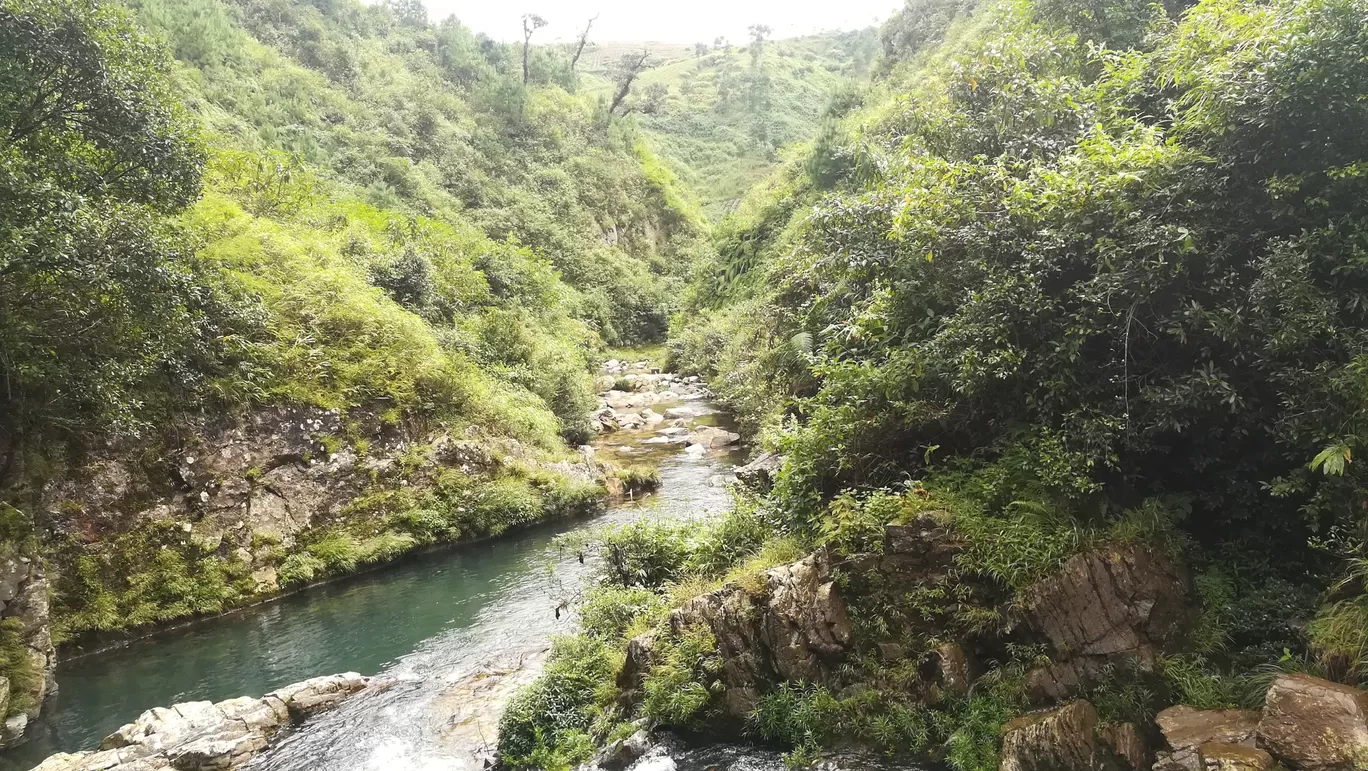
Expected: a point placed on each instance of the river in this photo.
(428, 623)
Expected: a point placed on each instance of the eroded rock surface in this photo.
(203, 736)
(1186, 729)
(1063, 739)
(792, 629)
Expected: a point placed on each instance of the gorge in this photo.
(979, 391)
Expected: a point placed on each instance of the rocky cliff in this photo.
(27, 640)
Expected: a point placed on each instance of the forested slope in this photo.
(723, 114)
(293, 287)
(1070, 299)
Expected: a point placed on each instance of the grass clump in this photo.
(683, 679)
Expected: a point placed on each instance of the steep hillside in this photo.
(292, 288)
(1057, 340)
(723, 113)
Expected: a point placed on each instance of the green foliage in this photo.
(683, 679)
(17, 665)
(721, 119)
(609, 611)
(545, 725)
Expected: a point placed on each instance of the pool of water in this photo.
(421, 622)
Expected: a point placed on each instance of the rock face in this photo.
(1316, 725)
(1108, 606)
(24, 598)
(202, 736)
(1187, 729)
(1065, 739)
(792, 629)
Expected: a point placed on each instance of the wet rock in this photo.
(1064, 739)
(712, 437)
(622, 753)
(759, 474)
(201, 736)
(1316, 725)
(1186, 729)
(657, 763)
(1214, 756)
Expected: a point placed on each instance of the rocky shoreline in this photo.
(205, 736)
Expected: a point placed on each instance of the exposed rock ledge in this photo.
(202, 736)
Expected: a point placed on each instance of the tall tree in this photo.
(625, 72)
(581, 43)
(94, 150)
(531, 23)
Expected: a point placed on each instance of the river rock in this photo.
(202, 736)
(759, 474)
(1063, 739)
(1316, 725)
(1186, 729)
(711, 437)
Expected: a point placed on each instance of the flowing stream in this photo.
(455, 630)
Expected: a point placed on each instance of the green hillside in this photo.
(227, 207)
(728, 113)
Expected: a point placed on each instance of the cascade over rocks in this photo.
(203, 736)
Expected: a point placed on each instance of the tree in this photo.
(95, 289)
(409, 12)
(720, 43)
(700, 50)
(581, 43)
(531, 23)
(758, 34)
(625, 72)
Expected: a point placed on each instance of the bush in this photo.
(683, 679)
(547, 721)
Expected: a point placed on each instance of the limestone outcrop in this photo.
(203, 736)
(24, 605)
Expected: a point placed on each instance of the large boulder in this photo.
(1063, 739)
(759, 474)
(712, 437)
(1116, 600)
(1186, 729)
(1114, 605)
(1316, 725)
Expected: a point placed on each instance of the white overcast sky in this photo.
(676, 21)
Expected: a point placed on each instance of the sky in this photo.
(677, 21)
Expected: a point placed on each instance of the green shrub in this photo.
(608, 611)
(16, 664)
(683, 679)
(300, 568)
(548, 720)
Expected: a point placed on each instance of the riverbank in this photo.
(429, 623)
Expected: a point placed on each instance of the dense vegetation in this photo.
(214, 208)
(724, 112)
(1066, 274)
